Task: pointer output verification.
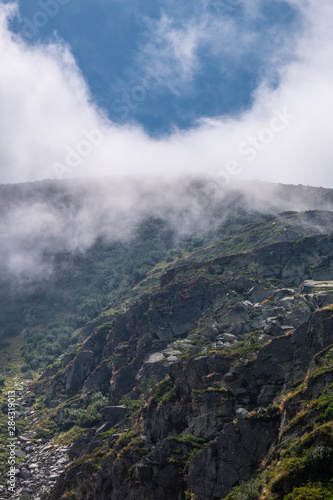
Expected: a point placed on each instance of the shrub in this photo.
(92, 415)
(162, 389)
(315, 463)
(247, 491)
(71, 417)
(25, 368)
(312, 491)
(130, 403)
(84, 418)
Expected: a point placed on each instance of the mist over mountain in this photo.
(70, 247)
(41, 219)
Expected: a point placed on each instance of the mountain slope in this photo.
(198, 365)
(184, 362)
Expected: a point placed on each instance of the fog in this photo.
(40, 219)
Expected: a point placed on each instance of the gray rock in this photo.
(79, 446)
(25, 474)
(20, 453)
(99, 380)
(230, 458)
(310, 286)
(82, 366)
(258, 294)
(242, 413)
(143, 472)
(282, 293)
(113, 414)
(226, 337)
(298, 316)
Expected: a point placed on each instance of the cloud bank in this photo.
(49, 126)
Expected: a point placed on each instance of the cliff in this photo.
(212, 378)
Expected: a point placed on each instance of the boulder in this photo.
(113, 414)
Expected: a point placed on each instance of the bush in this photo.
(130, 403)
(25, 368)
(71, 417)
(162, 389)
(312, 491)
(315, 463)
(247, 491)
(84, 418)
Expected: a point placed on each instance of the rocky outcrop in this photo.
(98, 380)
(202, 364)
(144, 338)
(114, 414)
(79, 370)
(290, 262)
(230, 458)
(206, 405)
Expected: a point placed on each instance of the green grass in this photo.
(11, 359)
(296, 469)
(11, 379)
(67, 438)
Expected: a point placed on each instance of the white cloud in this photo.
(172, 50)
(44, 104)
(45, 109)
(177, 41)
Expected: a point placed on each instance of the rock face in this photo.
(230, 458)
(233, 438)
(202, 365)
(114, 414)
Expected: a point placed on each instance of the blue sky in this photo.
(238, 89)
(209, 56)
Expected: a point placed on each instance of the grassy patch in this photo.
(163, 392)
(191, 447)
(272, 412)
(67, 438)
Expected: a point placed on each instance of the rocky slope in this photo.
(220, 375)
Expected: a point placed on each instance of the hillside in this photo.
(179, 365)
